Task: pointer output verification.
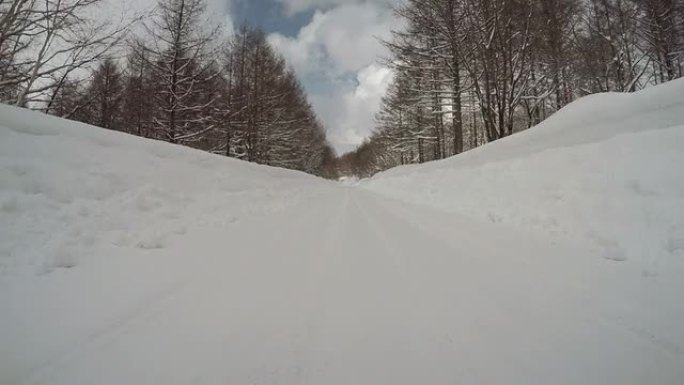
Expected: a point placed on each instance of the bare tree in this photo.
(264, 116)
(138, 104)
(180, 63)
(609, 47)
(43, 42)
(662, 29)
(105, 94)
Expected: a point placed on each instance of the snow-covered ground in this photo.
(608, 169)
(127, 261)
(67, 189)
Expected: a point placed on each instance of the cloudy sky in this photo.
(333, 47)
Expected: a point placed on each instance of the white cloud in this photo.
(347, 36)
(350, 111)
(336, 56)
(220, 12)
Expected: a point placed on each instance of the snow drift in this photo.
(607, 169)
(67, 188)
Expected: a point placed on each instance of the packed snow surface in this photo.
(555, 256)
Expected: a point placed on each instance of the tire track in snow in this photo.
(331, 225)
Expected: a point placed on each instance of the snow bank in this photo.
(607, 168)
(67, 189)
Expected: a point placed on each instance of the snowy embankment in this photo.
(67, 189)
(607, 169)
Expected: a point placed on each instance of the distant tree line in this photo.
(179, 81)
(468, 72)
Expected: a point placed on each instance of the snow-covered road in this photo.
(349, 288)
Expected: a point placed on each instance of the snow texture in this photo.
(552, 257)
(607, 169)
(67, 189)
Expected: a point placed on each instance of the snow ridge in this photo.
(604, 170)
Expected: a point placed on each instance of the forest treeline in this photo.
(468, 72)
(168, 76)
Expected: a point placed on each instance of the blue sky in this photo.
(269, 15)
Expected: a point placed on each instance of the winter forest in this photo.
(466, 72)
(177, 80)
(469, 72)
